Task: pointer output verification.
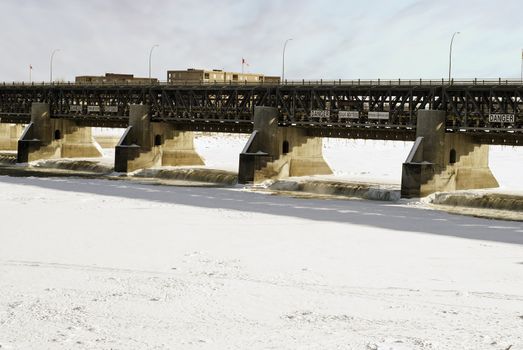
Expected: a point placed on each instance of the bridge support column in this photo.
(278, 152)
(145, 144)
(9, 135)
(46, 138)
(442, 161)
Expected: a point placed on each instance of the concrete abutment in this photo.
(441, 161)
(274, 152)
(145, 144)
(9, 136)
(46, 138)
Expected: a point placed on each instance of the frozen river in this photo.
(99, 264)
(103, 264)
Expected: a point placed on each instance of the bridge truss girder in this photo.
(467, 107)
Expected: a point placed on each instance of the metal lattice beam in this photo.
(326, 109)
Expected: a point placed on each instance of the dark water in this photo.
(199, 177)
(7, 158)
(339, 188)
(498, 201)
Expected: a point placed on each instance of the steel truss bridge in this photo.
(491, 111)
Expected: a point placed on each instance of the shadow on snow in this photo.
(359, 212)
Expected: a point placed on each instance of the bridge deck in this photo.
(492, 111)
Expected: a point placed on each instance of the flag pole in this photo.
(30, 71)
(522, 66)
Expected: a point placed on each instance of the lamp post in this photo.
(450, 54)
(283, 60)
(51, 65)
(522, 66)
(150, 55)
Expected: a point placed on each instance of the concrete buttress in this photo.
(146, 144)
(279, 152)
(9, 135)
(441, 161)
(46, 138)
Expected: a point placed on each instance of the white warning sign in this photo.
(379, 115)
(349, 114)
(501, 118)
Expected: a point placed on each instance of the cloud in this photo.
(332, 39)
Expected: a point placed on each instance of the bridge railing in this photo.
(303, 82)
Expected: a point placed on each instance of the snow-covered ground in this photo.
(98, 264)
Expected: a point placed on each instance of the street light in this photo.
(150, 54)
(283, 63)
(51, 65)
(522, 66)
(450, 53)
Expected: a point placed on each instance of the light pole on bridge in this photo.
(150, 55)
(521, 65)
(51, 65)
(283, 60)
(450, 54)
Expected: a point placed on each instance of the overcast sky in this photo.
(331, 39)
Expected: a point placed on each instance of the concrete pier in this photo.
(442, 161)
(145, 144)
(274, 152)
(46, 138)
(9, 135)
